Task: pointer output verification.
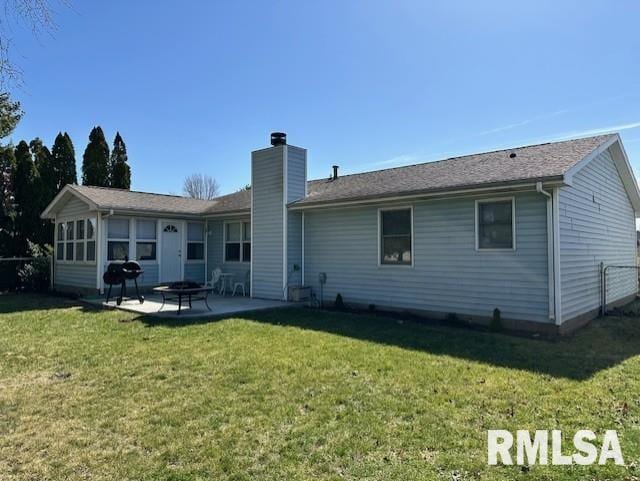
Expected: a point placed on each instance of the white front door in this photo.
(171, 260)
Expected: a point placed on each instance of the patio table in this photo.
(170, 293)
(225, 282)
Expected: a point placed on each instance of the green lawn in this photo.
(297, 394)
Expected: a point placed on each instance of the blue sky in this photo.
(195, 86)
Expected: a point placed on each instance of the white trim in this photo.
(52, 280)
(285, 173)
(380, 263)
(206, 251)
(625, 171)
(551, 279)
(621, 161)
(252, 232)
(513, 224)
(159, 248)
(446, 195)
(183, 247)
(99, 266)
(556, 255)
(571, 172)
(302, 262)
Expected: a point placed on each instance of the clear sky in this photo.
(195, 86)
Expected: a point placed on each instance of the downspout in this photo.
(550, 251)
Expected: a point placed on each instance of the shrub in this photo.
(339, 303)
(35, 275)
(496, 321)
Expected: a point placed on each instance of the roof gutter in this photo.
(463, 192)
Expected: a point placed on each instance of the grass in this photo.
(297, 394)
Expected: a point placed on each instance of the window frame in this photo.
(492, 200)
(187, 241)
(119, 239)
(240, 241)
(380, 247)
(137, 239)
(75, 219)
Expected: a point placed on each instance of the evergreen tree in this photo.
(26, 185)
(7, 209)
(46, 169)
(95, 161)
(119, 170)
(64, 160)
(47, 188)
(10, 115)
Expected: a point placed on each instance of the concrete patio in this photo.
(220, 306)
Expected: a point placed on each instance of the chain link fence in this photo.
(617, 282)
(10, 268)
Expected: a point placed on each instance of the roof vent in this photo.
(512, 155)
(278, 138)
(335, 171)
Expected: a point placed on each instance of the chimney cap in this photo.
(278, 138)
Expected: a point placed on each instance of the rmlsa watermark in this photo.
(536, 451)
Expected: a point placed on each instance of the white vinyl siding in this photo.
(449, 274)
(597, 224)
(268, 223)
(72, 273)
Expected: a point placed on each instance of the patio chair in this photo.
(242, 284)
(215, 279)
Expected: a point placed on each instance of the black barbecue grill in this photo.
(120, 273)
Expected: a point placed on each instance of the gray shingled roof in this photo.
(118, 199)
(532, 163)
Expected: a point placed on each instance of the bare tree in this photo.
(200, 186)
(37, 16)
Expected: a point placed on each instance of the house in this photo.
(524, 230)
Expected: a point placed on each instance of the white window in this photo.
(60, 241)
(396, 232)
(237, 242)
(195, 241)
(91, 239)
(118, 239)
(76, 240)
(495, 224)
(69, 241)
(80, 240)
(146, 240)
